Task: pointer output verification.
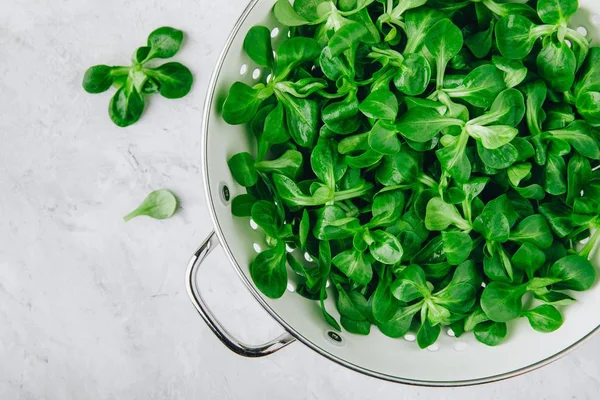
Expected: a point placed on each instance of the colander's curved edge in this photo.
(206, 180)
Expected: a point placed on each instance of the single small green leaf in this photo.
(457, 246)
(575, 273)
(490, 333)
(264, 213)
(289, 164)
(383, 138)
(410, 285)
(385, 247)
(99, 78)
(127, 105)
(518, 172)
(428, 334)
(381, 104)
(514, 36)
(285, 13)
(515, 71)
(421, 124)
(164, 42)
(356, 327)
(304, 229)
(302, 119)
(386, 208)
(493, 137)
(444, 40)
(295, 52)
(502, 302)
(275, 127)
(545, 318)
(529, 258)
(493, 226)
(242, 103)
(243, 169)
(414, 75)
(241, 206)
(480, 87)
(257, 45)
(534, 230)
(556, 12)
(160, 204)
(355, 265)
(269, 273)
(347, 37)
(417, 24)
(556, 64)
(555, 298)
(441, 215)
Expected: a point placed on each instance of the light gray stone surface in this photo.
(93, 308)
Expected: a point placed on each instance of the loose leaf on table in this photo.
(160, 204)
(172, 80)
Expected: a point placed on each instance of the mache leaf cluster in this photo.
(437, 159)
(172, 80)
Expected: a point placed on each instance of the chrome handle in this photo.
(224, 336)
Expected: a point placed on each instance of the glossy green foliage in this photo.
(432, 160)
(172, 80)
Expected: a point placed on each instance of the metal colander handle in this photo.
(213, 323)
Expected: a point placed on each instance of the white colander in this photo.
(450, 361)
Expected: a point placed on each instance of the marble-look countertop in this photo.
(93, 308)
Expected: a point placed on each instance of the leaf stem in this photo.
(353, 193)
(132, 215)
(428, 181)
(590, 245)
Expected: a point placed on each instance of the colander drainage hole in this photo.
(433, 348)
(253, 224)
(409, 337)
(225, 193)
(243, 69)
(460, 346)
(582, 30)
(334, 338)
(451, 333)
(274, 32)
(290, 287)
(256, 247)
(596, 19)
(256, 73)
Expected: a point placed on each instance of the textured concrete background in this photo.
(93, 308)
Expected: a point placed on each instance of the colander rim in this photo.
(209, 101)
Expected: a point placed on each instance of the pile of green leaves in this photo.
(172, 80)
(436, 158)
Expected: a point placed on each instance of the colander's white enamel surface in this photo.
(451, 361)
